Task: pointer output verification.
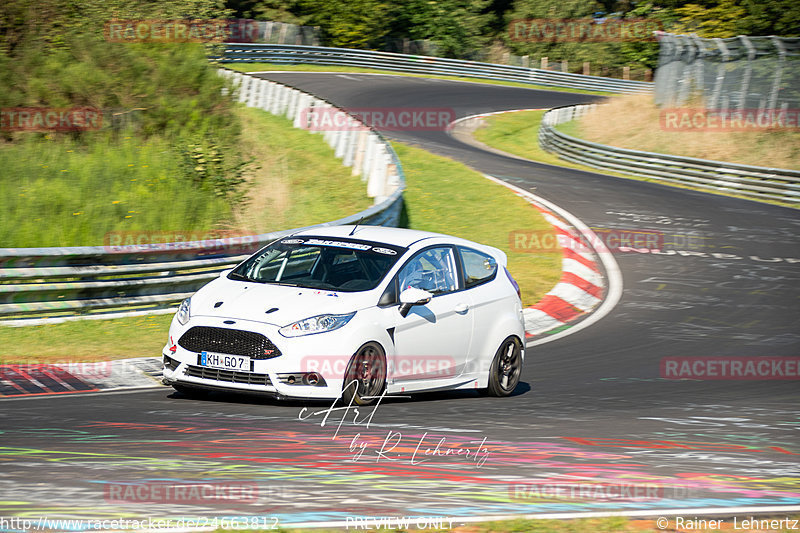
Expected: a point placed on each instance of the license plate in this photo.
(226, 362)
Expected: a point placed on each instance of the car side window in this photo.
(478, 267)
(433, 270)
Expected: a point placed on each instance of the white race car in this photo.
(353, 312)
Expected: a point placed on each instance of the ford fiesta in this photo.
(355, 312)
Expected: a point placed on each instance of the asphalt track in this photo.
(593, 409)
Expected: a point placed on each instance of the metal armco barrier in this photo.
(39, 285)
(756, 182)
(321, 55)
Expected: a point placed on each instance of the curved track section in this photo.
(596, 425)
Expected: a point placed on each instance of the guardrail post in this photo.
(284, 100)
(360, 152)
(377, 174)
(244, 89)
(301, 118)
(291, 109)
(275, 99)
(262, 93)
(369, 157)
(352, 145)
(342, 141)
(254, 92)
(269, 91)
(325, 111)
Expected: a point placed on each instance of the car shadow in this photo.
(246, 398)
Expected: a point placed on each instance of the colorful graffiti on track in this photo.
(304, 473)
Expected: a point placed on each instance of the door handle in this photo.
(461, 308)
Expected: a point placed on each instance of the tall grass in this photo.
(634, 121)
(67, 193)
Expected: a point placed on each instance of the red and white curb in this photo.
(583, 288)
(47, 379)
(580, 289)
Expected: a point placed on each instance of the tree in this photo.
(456, 27)
(348, 23)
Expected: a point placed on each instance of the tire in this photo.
(506, 368)
(365, 377)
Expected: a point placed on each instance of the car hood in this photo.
(251, 301)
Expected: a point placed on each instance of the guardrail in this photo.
(755, 182)
(41, 285)
(321, 55)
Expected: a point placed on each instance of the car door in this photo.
(488, 303)
(433, 340)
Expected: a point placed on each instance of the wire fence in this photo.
(736, 73)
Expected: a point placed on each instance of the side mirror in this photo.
(411, 297)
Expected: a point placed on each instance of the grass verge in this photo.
(516, 133)
(635, 122)
(84, 340)
(66, 193)
(62, 193)
(442, 195)
(297, 181)
(258, 67)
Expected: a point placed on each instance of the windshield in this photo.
(330, 263)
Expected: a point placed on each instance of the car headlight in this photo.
(184, 311)
(316, 324)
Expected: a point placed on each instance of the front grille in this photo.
(227, 375)
(171, 363)
(228, 341)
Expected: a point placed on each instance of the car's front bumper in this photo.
(325, 354)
